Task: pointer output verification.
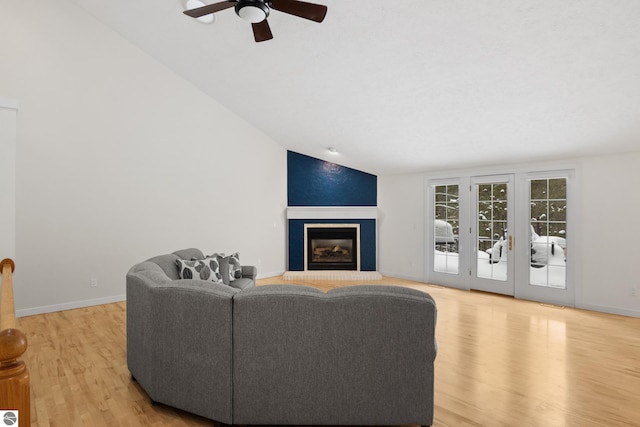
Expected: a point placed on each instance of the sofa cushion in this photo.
(203, 269)
(242, 283)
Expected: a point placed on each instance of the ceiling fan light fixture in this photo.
(253, 11)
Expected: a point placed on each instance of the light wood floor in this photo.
(501, 362)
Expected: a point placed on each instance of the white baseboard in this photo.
(118, 298)
(611, 310)
(272, 274)
(98, 301)
(69, 305)
(402, 276)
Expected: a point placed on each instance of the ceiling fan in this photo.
(257, 11)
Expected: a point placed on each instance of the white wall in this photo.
(401, 210)
(119, 159)
(611, 239)
(608, 223)
(8, 119)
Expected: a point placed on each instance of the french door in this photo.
(450, 237)
(492, 251)
(545, 275)
(505, 234)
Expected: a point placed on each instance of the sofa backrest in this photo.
(189, 254)
(357, 355)
(168, 264)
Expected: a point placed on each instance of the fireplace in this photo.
(332, 247)
(363, 218)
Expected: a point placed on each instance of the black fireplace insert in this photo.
(332, 248)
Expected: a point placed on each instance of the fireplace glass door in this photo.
(332, 248)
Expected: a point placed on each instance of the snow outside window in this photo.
(548, 232)
(446, 228)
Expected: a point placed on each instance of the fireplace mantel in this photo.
(332, 212)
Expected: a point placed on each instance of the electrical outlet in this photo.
(93, 283)
(633, 292)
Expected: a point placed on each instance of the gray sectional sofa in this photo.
(281, 354)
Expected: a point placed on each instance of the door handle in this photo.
(510, 243)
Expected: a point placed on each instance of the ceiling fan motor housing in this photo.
(253, 11)
(257, 11)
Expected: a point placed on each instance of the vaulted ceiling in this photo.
(414, 85)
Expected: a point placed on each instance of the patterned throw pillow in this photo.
(235, 269)
(203, 269)
(230, 267)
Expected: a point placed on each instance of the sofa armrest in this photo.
(249, 272)
(179, 341)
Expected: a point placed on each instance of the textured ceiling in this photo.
(414, 85)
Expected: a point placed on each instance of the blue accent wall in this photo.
(367, 242)
(315, 182)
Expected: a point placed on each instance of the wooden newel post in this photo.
(15, 391)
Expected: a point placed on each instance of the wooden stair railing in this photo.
(14, 375)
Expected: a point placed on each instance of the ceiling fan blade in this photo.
(302, 9)
(262, 31)
(210, 8)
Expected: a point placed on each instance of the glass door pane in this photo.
(446, 228)
(492, 231)
(492, 270)
(548, 232)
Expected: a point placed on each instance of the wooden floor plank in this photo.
(501, 362)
